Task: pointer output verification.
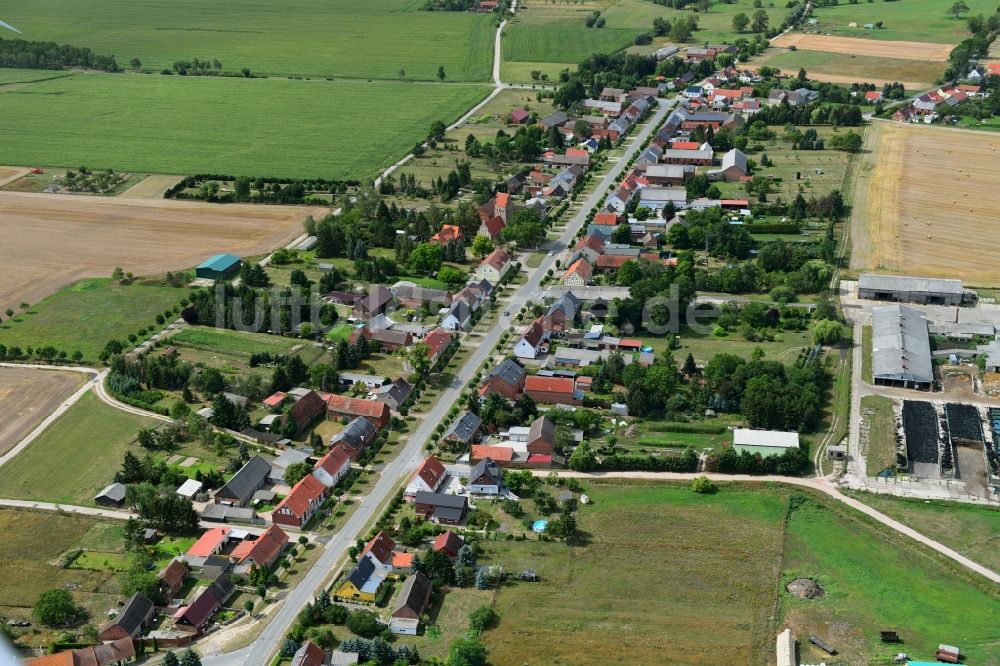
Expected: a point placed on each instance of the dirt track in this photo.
(27, 396)
(51, 240)
(865, 47)
(922, 203)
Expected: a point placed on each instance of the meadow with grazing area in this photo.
(31, 551)
(27, 397)
(911, 20)
(703, 582)
(318, 38)
(555, 32)
(85, 315)
(257, 127)
(75, 457)
(919, 203)
(972, 530)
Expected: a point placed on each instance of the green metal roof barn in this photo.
(219, 267)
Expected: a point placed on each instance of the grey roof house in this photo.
(252, 477)
(464, 429)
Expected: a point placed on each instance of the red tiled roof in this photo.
(593, 241)
(993, 68)
(497, 453)
(540, 458)
(334, 460)
(303, 493)
(402, 560)
(551, 384)
(431, 471)
(630, 342)
(498, 258)
(381, 547)
(517, 115)
(873, 95)
(533, 336)
(494, 225)
(264, 550)
(449, 232)
(582, 267)
(577, 152)
(684, 145)
(437, 340)
(611, 260)
(209, 541)
(313, 655)
(735, 202)
(274, 399)
(355, 406)
(447, 540)
(606, 217)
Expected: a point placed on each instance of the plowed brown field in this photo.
(923, 204)
(50, 240)
(865, 47)
(27, 396)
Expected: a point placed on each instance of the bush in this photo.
(364, 623)
(704, 485)
(483, 618)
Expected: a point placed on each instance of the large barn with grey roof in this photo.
(905, 289)
(901, 350)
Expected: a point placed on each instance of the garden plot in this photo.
(920, 427)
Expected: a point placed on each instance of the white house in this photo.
(486, 478)
(533, 341)
(493, 267)
(428, 478)
(332, 467)
(457, 318)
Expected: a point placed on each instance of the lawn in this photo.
(699, 562)
(28, 75)
(85, 315)
(785, 346)
(267, 127)
(972, 530)
(319, 38)
(909, 20)
(30, 554)
(876, 581)
(230, 351)
(881, 433)
(866, 354)
(75, 457)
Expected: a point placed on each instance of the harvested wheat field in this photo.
(27, 396)
(150, 187)
(51, 240)
(921, 203)
(865, 47)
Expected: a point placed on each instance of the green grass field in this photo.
(276, 127)
(8, 76)
(235, 342)
(865, 68)
(75, 457)
(319, 38)
(972, 530)
(646, 596)
(876, 581)
(905, 20)
(85, 315)
(30, 551)
(785, 346)
(555, 32)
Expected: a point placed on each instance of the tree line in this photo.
(25, 54)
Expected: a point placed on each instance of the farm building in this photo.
(219, 267)
(905, 289)
(901, 349)
(764, 442)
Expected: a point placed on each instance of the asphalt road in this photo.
(413, 453)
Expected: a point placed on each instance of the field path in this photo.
(865, 47)
(819, 484)
(10, 174)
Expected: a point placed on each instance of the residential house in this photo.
(449, 233)
(733, 167)
(486, 478)
(130, 620)
(776, 96)
(578, 274)
(516, 183)
(464, 430)
(395, 393)
(172, 578)
(388, 339)
(606, 217)
(440, 508)
(261, 552)
(342, 298)
(428, 478)
(253, 476)
(537, 204)
(333, 466)
(339, 406)
(873, 96)
(301, 503)
(693, 92)
(493, 267)
(612, 94)
(651, 155)
(553, 390)
(311, 654)
(437, 342)
(193, 617)
(356, 436)
(541, 437)
(116, 652)
(374, 303)
(362, 584)
(448, 543)
(458, 317)
(381, 550)
(802, 96)
(590, 247)
(562, 313)
(533, 342)
(411, 604)
(506, 379)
